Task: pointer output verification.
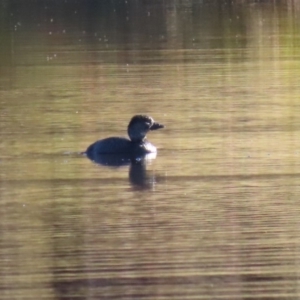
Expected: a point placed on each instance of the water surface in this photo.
(215, 215)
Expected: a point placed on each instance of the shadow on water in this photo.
(138, 175)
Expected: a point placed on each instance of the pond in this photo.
(215, 215)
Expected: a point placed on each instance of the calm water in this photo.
(216, 214)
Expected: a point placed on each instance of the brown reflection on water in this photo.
(218, 214)
(206, 237)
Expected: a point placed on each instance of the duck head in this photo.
(140, 125)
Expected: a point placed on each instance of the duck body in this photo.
(137, 143)
(120, 145)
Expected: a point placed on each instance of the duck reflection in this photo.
(138, 174)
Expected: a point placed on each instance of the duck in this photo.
(137, 143)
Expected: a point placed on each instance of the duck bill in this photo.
(156, 126)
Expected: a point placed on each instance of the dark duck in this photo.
(137, 143)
